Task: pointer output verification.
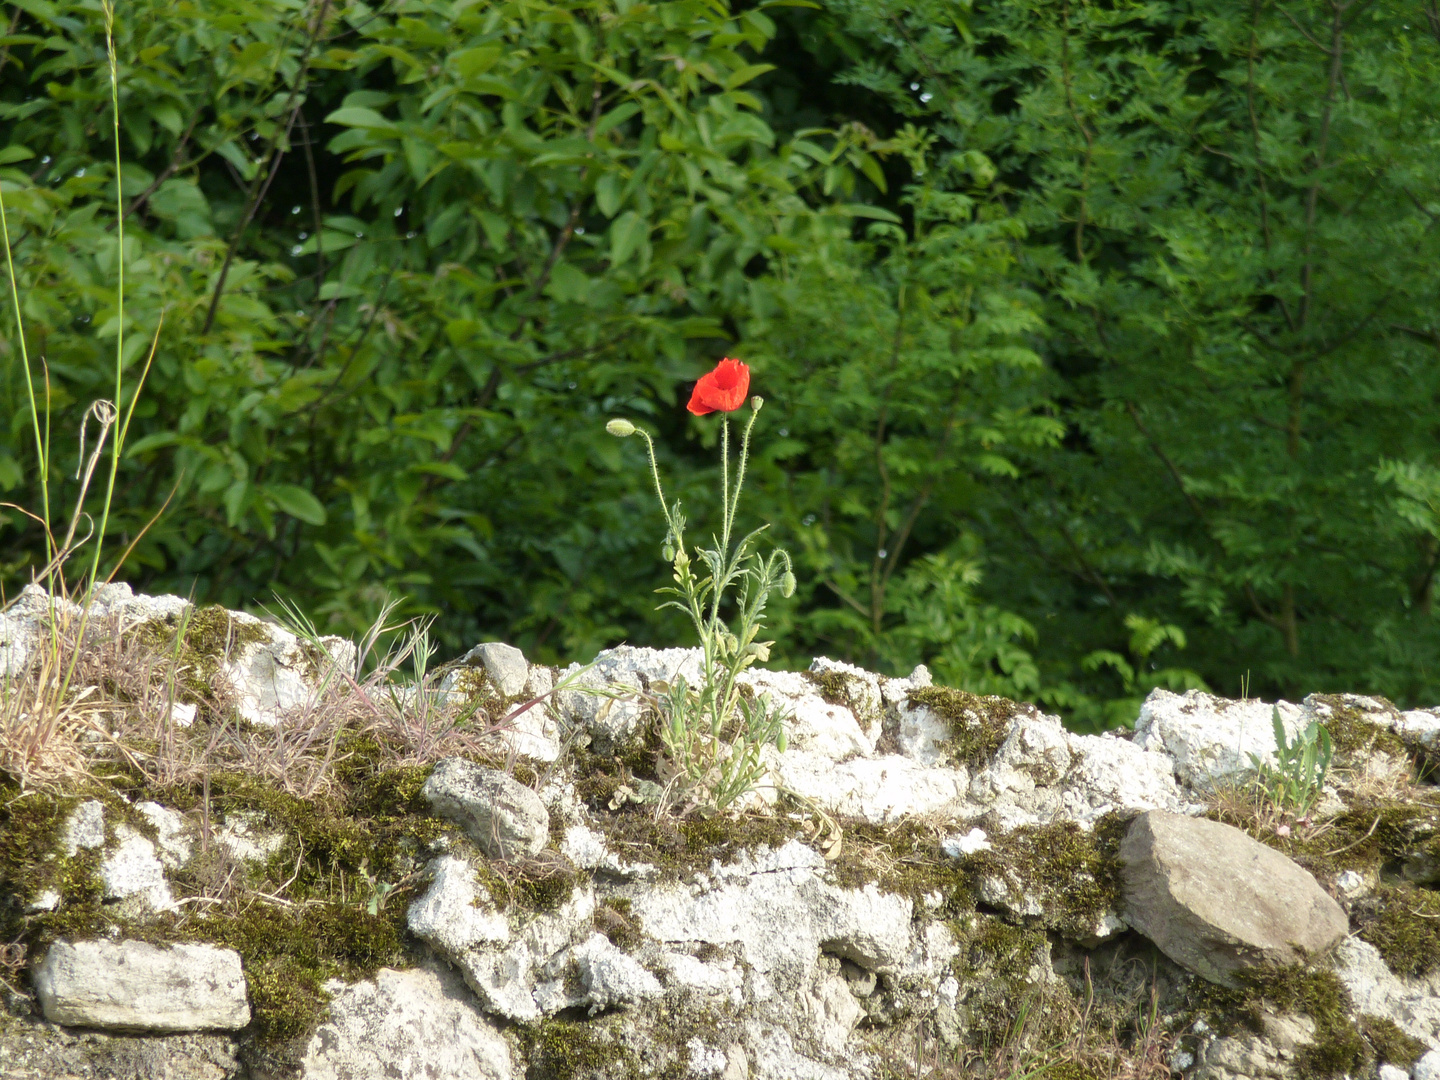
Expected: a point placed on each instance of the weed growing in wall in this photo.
(715, 760)
(1296, 781)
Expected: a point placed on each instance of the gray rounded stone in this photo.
(135, 986)
(1217, 902)
(503, 816)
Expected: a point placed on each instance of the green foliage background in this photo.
(1099, 340)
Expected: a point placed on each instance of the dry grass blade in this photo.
(45, 732)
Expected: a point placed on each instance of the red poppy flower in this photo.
(722, 390)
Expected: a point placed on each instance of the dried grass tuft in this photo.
(110, 699)
(47, 730)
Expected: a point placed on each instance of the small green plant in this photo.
(712, 735)
(1295, 782)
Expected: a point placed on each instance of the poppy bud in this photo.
(621, 429)
(787, 584)
(756, 402)
(667, 553)
(781, 741)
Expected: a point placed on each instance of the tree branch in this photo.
(274, 155)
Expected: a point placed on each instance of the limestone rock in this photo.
(453, 915)
(244, 835)
(420, 1023)
(531, 728)
(814, 724)
(595, 974)
(833, 1013)
(509, 980)
(958, 845)
(501, 815)
(779, 911)
(718, 977)
(1211, 738)
(613, 722)
(533, 733)
(1375, 989)
(1267, 1056)
(1217, 902)
(1034, 753)
(22, 627)
(31, 1049)
(587, 850)
(172, 834)
(132, 870)
(922, 734)
(1422, 725)
(1428, 1067)
(776, 1055)
(271, 672)
(860, 690)
(1111, 773)
(879, 789)
(505, 957)
(117, 600)
(85, 827)
(505, 665)
(132, 986)
(17, 643)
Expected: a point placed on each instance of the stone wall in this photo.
(928, 883)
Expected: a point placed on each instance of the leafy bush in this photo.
(1081, 319)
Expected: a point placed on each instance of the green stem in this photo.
(40, 441)
(115, 445)
(740, 472)
(655, 474)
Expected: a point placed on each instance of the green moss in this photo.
(199, 640)
(529, 885)
(341, 881)
(561, 1049)
(617, 921)
(1003, 970)
(598, 776)
(289, 953)
(681, 847)
(287, 1000)
(1339, 1046)
(1403, 923)
(1071, 1070)
(1073, 874)
(32, 861)
(841, 688)
(903, 858)
(1362, 838)
(832, 685)
(1352, 733)
(1391, 1045)
(978, 725)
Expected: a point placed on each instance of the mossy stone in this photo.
(978, 724)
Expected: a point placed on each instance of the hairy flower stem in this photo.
(702, 756)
